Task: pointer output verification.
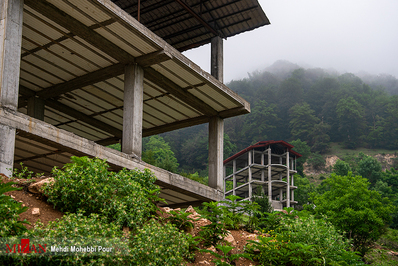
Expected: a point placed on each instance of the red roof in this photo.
(263, 144)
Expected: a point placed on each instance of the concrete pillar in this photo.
(36, 108)
(280, 190)
(288, 180)
(249, 162)
(269, 174)
(216, 124)
(217, 58)
(262, 169)
(11, 19)
(234, 175)
(216, 150)
(133, 110)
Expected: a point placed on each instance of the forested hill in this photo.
(314, 105)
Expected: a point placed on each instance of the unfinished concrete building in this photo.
(267, 168)
(78, 75)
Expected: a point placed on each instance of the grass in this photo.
(380, 257)
(340, 151)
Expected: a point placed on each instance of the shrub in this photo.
(87, 184)
(9, 212)
(79, 231)
(303, 241)
(156, 244)
(351, 207)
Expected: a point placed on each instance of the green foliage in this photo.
(161, 245)
(303, 240)
(317, 161)
(158, 152)
(389, 239)
(370, 168)
(214, 232)
(76, 230)
(341, 168)
(225, 259)
(364, 220)
(24, 172)
(351, 116)
(303, 191)
(9, 212)
(87, 184)
(302, 121)
(181, 220)
(305, 150)
(262, 201)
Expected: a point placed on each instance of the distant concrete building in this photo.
(266, 166)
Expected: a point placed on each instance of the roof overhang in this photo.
(189, 24)
(73, 58)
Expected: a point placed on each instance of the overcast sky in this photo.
(346, 35)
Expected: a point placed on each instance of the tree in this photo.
(350, 206)
(370, 168)
(341, 168)
(302, 148)
(302, 121)
(319, 138)
(303, 191)
(157, 152)
(351, 121)
(260, 123)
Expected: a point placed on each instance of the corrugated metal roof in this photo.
(179, 26)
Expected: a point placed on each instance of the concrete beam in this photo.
(11, 19)
(216, 144)
(133, 110)
(69, 142)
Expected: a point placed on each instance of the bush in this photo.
(156, 244)
(79, 231)
(9, 212)
(351, 207)
(303, 241)
(87, 184)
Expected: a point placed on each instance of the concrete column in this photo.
(36, 108)
(292, 185)
(280, 190)
(216, 124)
(216, 150)
(288, 180)
(11, 19)
(233, 175)
(133, 110)
(262, 171)
(217, 58)
(269, 175)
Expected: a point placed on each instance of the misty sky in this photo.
(345, 35)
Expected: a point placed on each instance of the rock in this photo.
(252, 236)
(23, 205)
(190, 209)
(12, 197)
(393, 253)
(36, 211)
(37, 187)
(230, 238)
(126, 231)
(167, 209)
(204, 262)
(212, 248)
(177, 210)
